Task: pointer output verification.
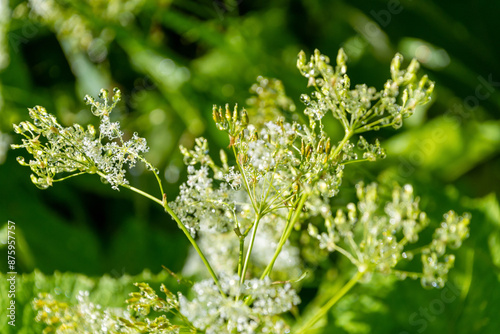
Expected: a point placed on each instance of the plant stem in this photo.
(151, 167)
(195, 245)
(245, 181)
(69, 176)
(184, 229)
(346, 254)
(286, 233)
(348, 134)
(325, 308)
(140, 192)
(250, 247)
(240, 255)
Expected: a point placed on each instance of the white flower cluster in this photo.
(212, 203)
(282, 169)
(200, 206)
(217, 314)
(85, 317)
(271, 145)
(74, 150)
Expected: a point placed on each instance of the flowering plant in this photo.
(248, 216)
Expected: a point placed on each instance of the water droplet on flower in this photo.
(103, 94)
(306, 99)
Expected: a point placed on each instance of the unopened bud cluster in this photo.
(376, 237)
(363, 108)
(233, 122)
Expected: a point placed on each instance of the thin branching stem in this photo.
(286, 233)
(325, 308)
(183, 228)
(250, 247)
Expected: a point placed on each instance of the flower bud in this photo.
(301, 59)
(341, 57)
(228, 113)
(395, 66)
(244, 118)
(235, 113)
(414, 66)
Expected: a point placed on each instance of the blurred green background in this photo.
(174, 59)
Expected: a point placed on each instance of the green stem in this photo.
(353, 161)
(245, 181)
(264, 197)
(195, 245)
(69, 176)
(240, 255)
(183, 228)
(140, 192)
(325, 308)
(250, 247)
(286, 233)
(355, 248)
(151, 167)
(348, 134)
(366, 128)
(346, 254)
(365, 117)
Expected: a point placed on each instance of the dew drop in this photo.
(103, 94)
(304, 98)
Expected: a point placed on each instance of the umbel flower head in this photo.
(69, 151)
(377, 237)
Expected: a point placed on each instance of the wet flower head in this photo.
(377, 237)
(363, 108)
(216, 314)
(60, 152)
